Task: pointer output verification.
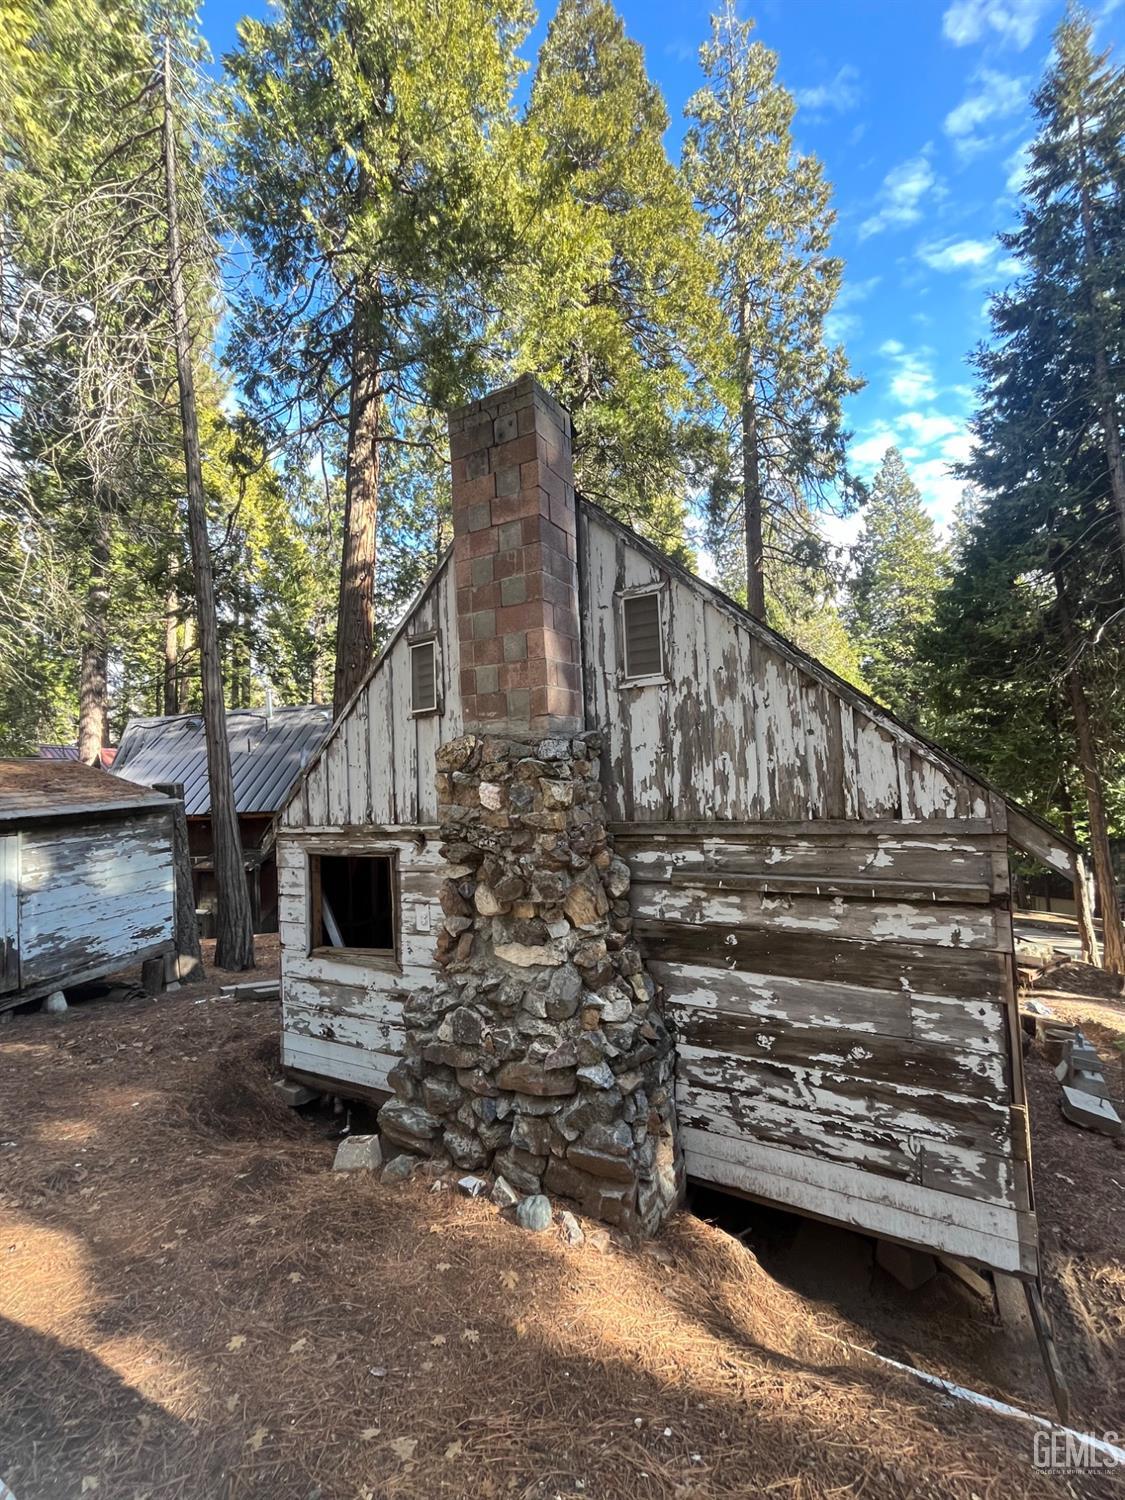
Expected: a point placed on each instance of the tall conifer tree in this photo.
(612, 307)
(770, 218)
(900, 567)
(366, 181)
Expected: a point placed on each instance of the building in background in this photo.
(269, 748)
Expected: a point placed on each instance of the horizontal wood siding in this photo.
(742, 728)
(377, 765)
(92, 893)
(342, 1016)
(841, 997)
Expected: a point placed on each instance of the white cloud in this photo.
(1011, 22)
(995, 97)
(836, 97)
(868, 454)
(856, 291)
(958, 255)
(927, 427)
(912, 383)
(841, 326)
(901, 196)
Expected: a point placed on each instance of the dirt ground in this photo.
(193, 1305)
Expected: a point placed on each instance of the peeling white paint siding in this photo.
(342, 1016)
(92, 892)
(377, 765)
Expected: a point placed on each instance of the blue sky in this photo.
(919, 111)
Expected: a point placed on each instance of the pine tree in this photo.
(900, 567)
(367, 179)
(1073, 230)
(612, 306)
(770, 219)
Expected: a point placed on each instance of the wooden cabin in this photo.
(269, 748)
(86, 883)
(820, 893)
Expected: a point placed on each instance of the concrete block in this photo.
(55, 1003)
(294, 1094)
(910, 1268)
(1087, 1110)
(358, 1153)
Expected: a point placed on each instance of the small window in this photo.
(644, 638)
(423, 677)
(353, 902)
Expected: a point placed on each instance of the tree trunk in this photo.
(751, 476)
(93, 671)
(171, 653)
(752, 510)
(355, 620)
(234, 948)
(1113, 934)
(1107, 396)
(1080, 880)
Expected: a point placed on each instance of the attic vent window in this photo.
(644, 636)
(423, 677)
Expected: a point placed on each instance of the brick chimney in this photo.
(515, 551)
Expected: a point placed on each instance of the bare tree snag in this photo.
(234, 948)
(171, 653)
(93, 668)
(355, 624)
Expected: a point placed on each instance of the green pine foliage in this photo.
(612, 307)
(900, 566)
(781, 384)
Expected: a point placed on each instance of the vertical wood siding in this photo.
(377, 765)
(742, 730)
(342, 1017)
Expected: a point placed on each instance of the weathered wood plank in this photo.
(337, 1060)
(726, 912)
(889, 1062)
(973, 1123)
(980, 1233)
(887, 1151)
(853, 887)
(810, 955)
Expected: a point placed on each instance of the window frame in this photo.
(389, 960)
(431, 638)
(648, 679)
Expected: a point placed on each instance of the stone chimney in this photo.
(539, 1054)
(515, 552)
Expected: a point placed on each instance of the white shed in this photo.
(86, 876)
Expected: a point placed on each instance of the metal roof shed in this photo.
(86, 876)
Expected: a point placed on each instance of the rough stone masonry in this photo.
(542, 1054)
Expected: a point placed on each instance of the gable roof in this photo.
(1029, 832)
(61, 788)
(1026, 830)
(268, 752)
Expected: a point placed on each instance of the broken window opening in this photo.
(353, 903)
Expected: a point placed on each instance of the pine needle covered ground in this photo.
(193, 1305)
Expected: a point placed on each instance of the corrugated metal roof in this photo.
(54, 788)
(267, 752)
(70, 752)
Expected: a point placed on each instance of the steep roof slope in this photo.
(268, 753)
